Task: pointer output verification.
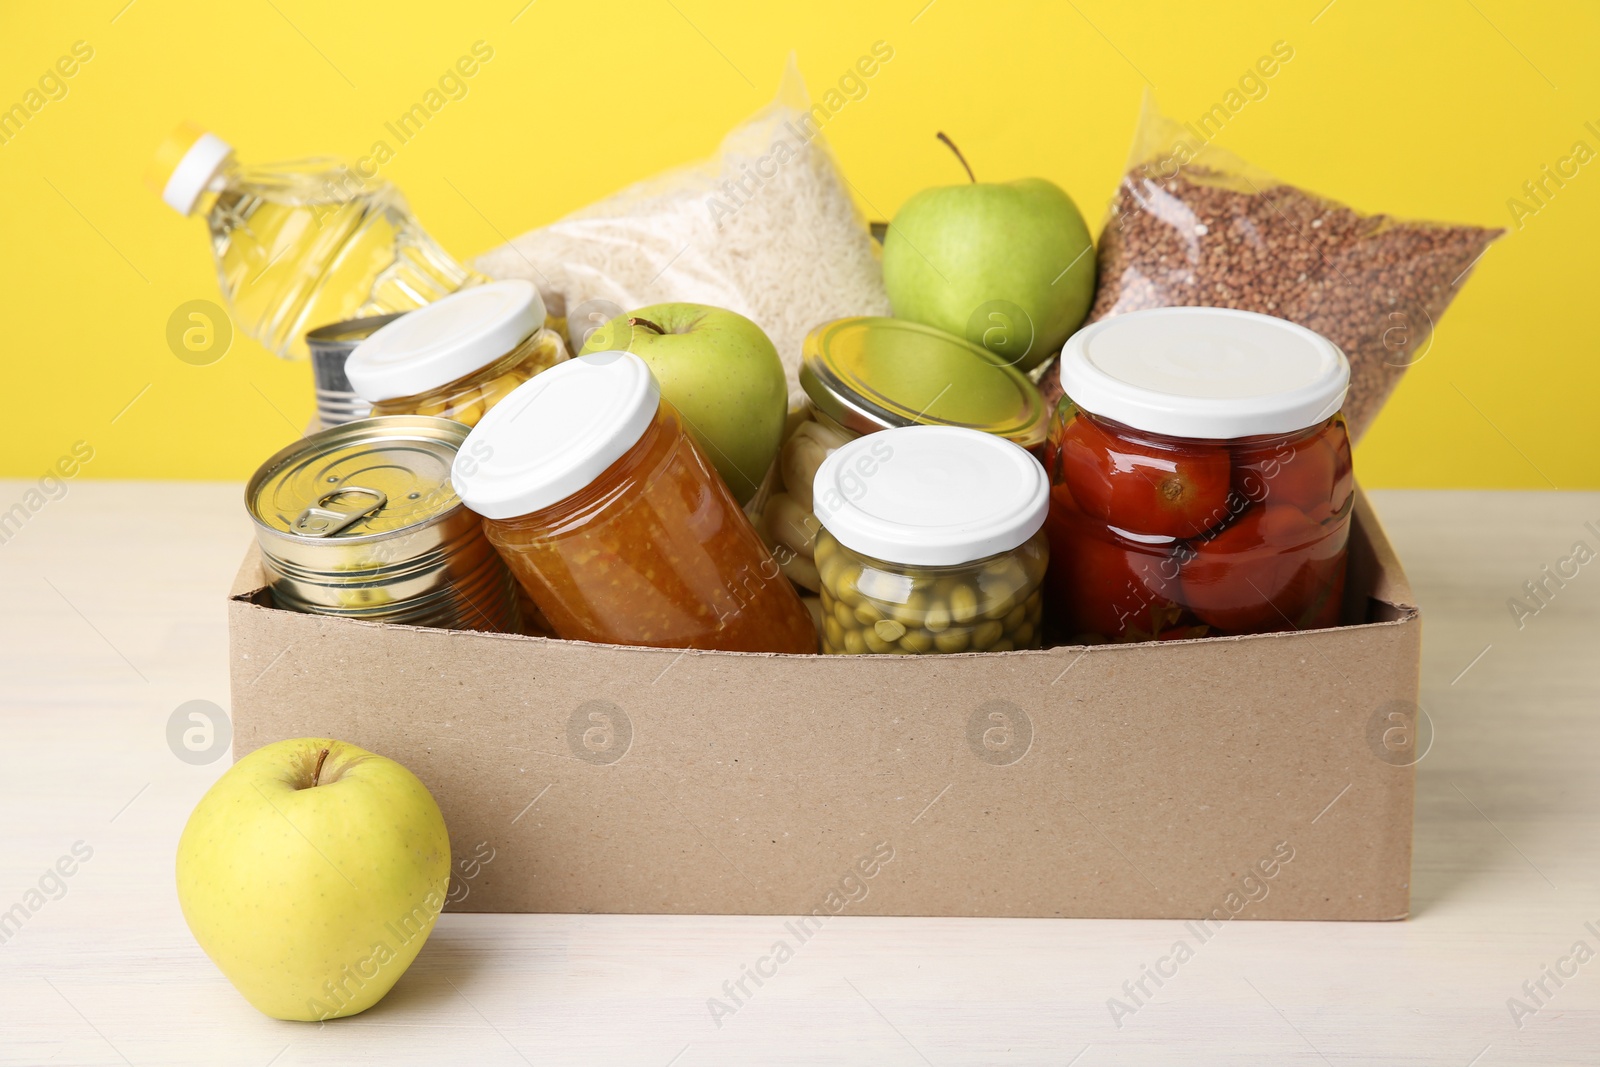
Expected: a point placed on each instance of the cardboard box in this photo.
(1264, 777)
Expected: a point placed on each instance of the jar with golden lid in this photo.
(864, 375)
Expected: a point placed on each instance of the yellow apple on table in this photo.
(311, 873)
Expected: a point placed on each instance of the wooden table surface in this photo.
(113, 616)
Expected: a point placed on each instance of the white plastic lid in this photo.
(193, 172)
(555, 433)
(1207, 373)
(931, 495)
(445, 340)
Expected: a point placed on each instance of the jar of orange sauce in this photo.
(614, 522)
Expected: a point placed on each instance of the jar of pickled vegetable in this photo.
(457, 357)
(862, 375)
(1201, 478)
(614, 522)
(931, 543)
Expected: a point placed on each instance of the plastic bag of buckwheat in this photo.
(1193, 225)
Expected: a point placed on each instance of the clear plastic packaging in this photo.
(303, 244)
(1193, 225)
(767, 227)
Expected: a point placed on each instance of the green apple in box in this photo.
(311, 873)
(722, 374)
(1008, 266)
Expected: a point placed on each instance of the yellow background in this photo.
(1432, 110)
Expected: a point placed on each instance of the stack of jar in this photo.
(866, 375)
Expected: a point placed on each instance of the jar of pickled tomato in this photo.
(457, 357)
(931, 542)
(1201, 478)
(614, 522)
(863, 375)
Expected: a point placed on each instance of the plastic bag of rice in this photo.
(766, 227)
(1193, 225)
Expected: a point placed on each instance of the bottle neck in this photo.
(219, 182)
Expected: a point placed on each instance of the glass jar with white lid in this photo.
(1202, 480)
(459, 356)
(932, 542)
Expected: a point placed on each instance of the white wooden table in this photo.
(113, 615)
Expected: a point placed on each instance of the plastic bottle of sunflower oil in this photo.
(303, 244)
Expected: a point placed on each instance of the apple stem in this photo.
(646, 323)
(317, 774)
(952, 146)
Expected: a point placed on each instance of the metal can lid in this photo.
(870, 374)
(369, 478)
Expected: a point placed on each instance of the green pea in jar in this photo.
(932, 543)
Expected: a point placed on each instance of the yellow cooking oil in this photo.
(304, 244)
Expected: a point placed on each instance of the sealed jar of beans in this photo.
(931, 543)
(1201, 478)
(617, 526)
(457, 357)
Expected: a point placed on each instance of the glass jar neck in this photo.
(822, 418)
(1068, 409)
(931, 568)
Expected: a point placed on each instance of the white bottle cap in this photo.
(931, 495)
(194, 172)
(555, 433)
(445, 340)
(1202, 372)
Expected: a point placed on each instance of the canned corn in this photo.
(361, 521)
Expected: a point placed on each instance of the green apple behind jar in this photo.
(720, 372)
(311, 873)
(1008, 266)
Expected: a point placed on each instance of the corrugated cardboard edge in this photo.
(1154, 781)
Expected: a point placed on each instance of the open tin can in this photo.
(331, 345)
(361, 521)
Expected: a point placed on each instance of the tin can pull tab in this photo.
(331, 515)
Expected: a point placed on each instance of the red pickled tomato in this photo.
(1265, 572)
(1101, 585)
(1312, 473)
(1170, 491)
